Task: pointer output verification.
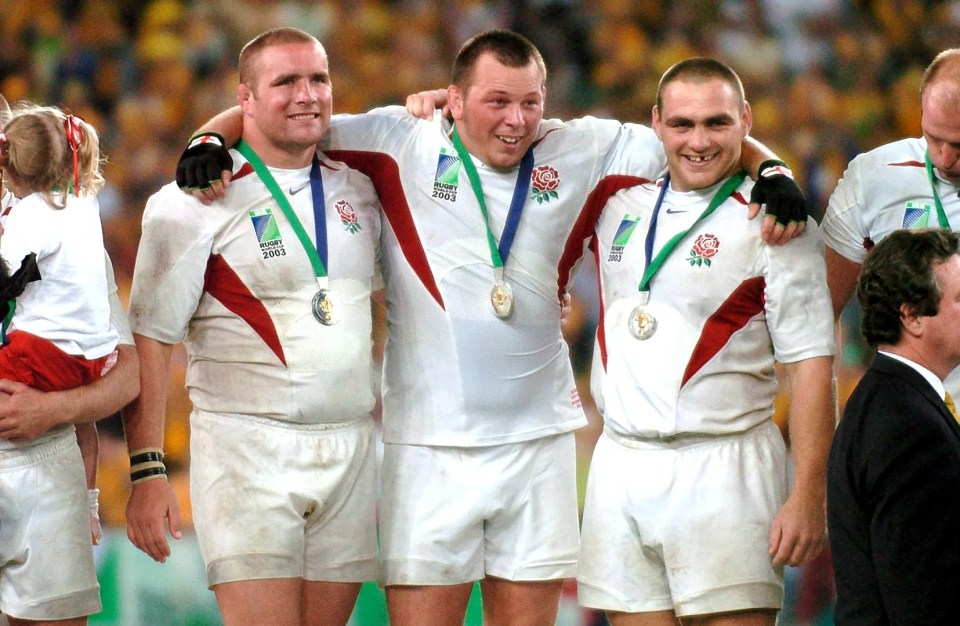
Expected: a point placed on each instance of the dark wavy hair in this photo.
(898, 272)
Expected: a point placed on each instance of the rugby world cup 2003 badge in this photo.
(447, 179)
(268, 233)
(916, 214)
(627, 225)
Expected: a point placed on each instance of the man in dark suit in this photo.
(893, 481)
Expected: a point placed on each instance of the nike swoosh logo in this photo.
(672, 211)
(294, 191)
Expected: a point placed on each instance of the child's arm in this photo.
(89, 443)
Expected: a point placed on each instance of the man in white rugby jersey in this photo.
(688, 514)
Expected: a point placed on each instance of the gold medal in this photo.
(325, 307)
(642, 323)
(501, 297)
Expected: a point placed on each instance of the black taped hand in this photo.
(203, 162)
(776, 189)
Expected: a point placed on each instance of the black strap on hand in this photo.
(776, 189)
(202, 163)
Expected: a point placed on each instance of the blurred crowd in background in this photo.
(827, 79)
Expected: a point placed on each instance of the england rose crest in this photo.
(545, 180)
(348, 217)
(704, 249)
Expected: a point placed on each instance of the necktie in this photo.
(951, 406)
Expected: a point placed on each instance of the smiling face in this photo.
(498, 110)
(702, 127)
(287, 102)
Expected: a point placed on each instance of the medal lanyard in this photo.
(654, 266)
(498, 254)
(941, 214)
(317, 254)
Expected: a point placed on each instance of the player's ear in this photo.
(746, 118)
(455, 98)
(244, 96)
(655, 121)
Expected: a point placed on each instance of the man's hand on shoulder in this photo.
(205, 168)
(785, 215)
(424, 103)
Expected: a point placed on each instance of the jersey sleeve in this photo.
(843, 229)
(636, 152)
(375, 131)
(168, 278)
(797, 301)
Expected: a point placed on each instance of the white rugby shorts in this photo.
(46, 556)
(451, 515)
(683, 525)
(279, 500)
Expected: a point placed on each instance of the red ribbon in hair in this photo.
(74, 139)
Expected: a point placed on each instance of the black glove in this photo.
(203, 161)
(776, 189)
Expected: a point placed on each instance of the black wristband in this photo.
(140, 475)
(146, 457)
(204, 138)
(771, 163)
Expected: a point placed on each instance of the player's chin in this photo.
(306, 138)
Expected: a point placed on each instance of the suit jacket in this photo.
(893, 502)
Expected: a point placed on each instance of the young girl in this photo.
(56, 335)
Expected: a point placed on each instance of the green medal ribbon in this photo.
(498, 253)
(725, 191)
(941, 214)
(319, 267)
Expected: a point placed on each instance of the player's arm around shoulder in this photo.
(635, 151)
(379, 130)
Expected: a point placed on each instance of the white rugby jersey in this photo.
(118, 317)
(726, 305)
(233, 282)
(884, 190)
(69, 305)
(454, 373)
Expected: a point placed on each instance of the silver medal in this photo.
(642, 323)
(501, 297)
(325, 307)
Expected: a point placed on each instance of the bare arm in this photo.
(26, 413)
(798, 531)
(842, 276)
(152, 504)
(89, 443)
(228, 124)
